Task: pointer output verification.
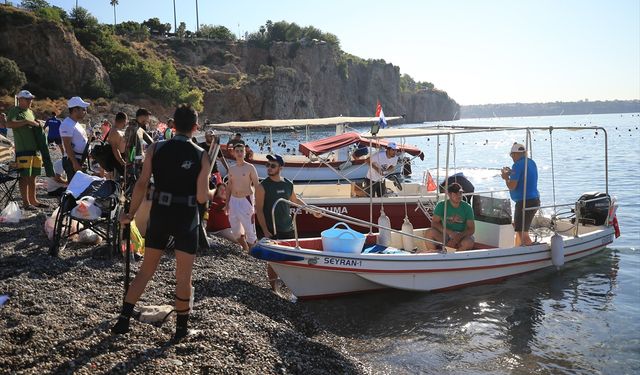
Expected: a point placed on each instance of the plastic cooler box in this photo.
(342, 240)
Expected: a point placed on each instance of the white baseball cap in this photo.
(517, 148)
(392, 146)
(25, 94)
(77, 101)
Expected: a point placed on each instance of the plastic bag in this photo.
(50, 223)
(86, 209)
(137, 241)
(11, 213)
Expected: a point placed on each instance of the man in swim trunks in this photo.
(243, 178)
(21, 119)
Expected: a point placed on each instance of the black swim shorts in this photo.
(528, 216)
(157, 237)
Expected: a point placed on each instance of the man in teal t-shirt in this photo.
(459, 224)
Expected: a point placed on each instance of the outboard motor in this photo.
(593, 208)
(467, 186)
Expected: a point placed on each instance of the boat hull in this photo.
(317, 274)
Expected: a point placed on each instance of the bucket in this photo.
(342, 240)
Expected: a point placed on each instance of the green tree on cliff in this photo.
(82, 19)
(11, 77)
(182, 30)
(156, 27)
(216, 32)
(34, 5)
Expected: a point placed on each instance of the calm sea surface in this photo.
(583, 319)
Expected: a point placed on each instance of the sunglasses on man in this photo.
(273, 165)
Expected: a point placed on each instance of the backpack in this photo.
(103, 155)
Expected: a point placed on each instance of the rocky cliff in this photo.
(240, 80)
(51, 57)
(294, 80)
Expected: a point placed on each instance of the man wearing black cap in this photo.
(268, 192)
(271, 189)
(460, 224)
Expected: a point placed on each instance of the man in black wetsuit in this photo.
(180, 171)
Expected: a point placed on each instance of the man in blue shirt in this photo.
(53, 136)
(523, 189)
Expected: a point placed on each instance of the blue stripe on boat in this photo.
(260, 252)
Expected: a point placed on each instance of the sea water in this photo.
(584, 318)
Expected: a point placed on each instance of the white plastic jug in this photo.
(384, 237)
(407, 242)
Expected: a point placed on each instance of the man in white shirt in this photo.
(382, 163)
(74, 136)
(57, 184)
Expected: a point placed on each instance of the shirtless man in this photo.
(116, 141)
(243, 178)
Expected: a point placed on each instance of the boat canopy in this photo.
(298, 122)
(351, 138)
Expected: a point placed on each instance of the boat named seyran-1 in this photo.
(575, 230)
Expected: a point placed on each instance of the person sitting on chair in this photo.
(460, 224)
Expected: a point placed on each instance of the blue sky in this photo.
(483, 51)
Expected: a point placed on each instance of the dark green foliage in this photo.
(407, 84)
(182, 29)
(156, 27)
(11, 77)
(216, 32)
(54, 14)
(81, 19)
(34, 5)
(97, 89)
(133, 30)
(283, 31)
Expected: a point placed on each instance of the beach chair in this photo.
(8, 172)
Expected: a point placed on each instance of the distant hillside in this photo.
(549, 109)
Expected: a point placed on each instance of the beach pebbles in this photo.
(60, 310)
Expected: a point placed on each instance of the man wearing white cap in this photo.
(524, 196)
(74, 136)
(382, 163)
(21, 119)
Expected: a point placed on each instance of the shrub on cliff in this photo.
(11, 77)
(133, 30)
(216, 32)
(81, 18)
(408, 84)
(283, 31)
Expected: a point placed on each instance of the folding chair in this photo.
(8, 172)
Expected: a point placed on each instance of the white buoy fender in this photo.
(557, 250)
(384, 237)
(407, 242)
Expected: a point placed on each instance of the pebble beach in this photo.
(60, 310)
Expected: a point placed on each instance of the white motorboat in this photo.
(311, 271)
